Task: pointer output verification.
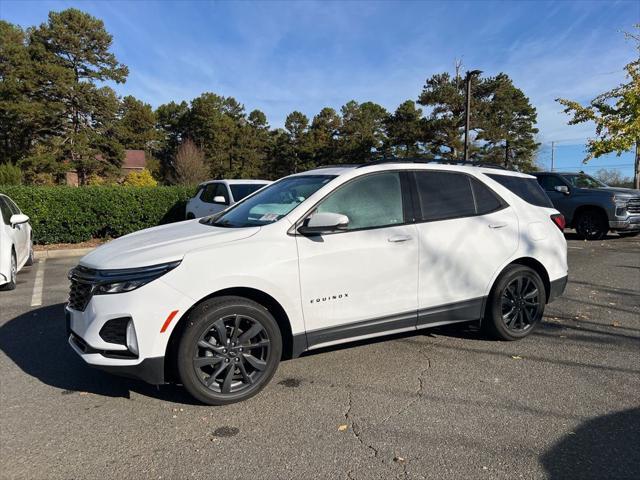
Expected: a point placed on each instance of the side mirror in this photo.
(562, 189)
(18, 218)
(219, 199)
(326, 222)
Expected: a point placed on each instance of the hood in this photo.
(617, 191)
(622, 192)
(161, 244)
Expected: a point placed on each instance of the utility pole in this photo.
(553, 154)
(468, 112)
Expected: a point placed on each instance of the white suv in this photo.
(315, 259)
(216, 195)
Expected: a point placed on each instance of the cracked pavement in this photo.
(444, 403)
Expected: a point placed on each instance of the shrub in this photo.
(143, 178)
(10, 174)
(65, 214)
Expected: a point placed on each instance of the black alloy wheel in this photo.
(229, 350)
(592, 225)
(520, 304)
(232, 355)
(516, 303)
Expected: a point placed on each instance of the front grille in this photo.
(634, 205)
(115, 331)
(81, 290)
(79, 295)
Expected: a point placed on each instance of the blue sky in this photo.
(284, 56)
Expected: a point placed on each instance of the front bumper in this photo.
(629, 224)
(148, 308)
(557, 287)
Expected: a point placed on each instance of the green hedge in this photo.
(77, 214)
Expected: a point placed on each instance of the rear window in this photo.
(239, 191)
(444, 195)
(527, 189)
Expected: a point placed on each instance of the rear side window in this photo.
(239, 191)
(527, 189)
(486, 200)
(443, 195)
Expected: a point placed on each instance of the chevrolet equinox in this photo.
(332, 255)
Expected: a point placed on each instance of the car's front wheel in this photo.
(229, 350)
(592, 225)
(516, 303)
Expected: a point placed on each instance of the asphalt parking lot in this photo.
(446, 403)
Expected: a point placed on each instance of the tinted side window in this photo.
(208, 193)
(486, 200)
(5, 210)
(221, 191)
(12, 206)
(443, 195)
(214, 190)
(549, 182)
(370, 201)
(527, 189)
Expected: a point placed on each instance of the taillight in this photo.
(559, 220)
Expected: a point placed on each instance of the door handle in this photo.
(495, 226)
(399, 238)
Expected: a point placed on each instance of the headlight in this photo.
(125, 280)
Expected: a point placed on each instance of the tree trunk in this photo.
(506, 154)
(636, 169)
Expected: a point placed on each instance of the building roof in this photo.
(134, 159)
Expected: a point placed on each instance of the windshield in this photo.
(241, 190)
(270, 204)
(581, 180)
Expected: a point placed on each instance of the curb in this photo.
(62, 253)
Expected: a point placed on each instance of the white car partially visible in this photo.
(216, 195)
(16, 248)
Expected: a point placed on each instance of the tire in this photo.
(628, 234)
(515, 304)
(206, 349)
(592, 225)
(30, 258)
(190, 216)
(13, 273)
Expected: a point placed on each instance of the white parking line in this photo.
(36, 297)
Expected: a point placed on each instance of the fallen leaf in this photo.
(399, 459)
(343, 427)
(615, 324)
(83, 393)
(516, 357)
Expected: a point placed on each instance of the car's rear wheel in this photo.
(516, 303)
(591, 225)
(229, 350)
(628, 234)
(13, 274)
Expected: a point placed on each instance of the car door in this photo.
(466, 233)
(361, 281)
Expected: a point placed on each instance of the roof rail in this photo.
(339, 165)
(427, 160)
